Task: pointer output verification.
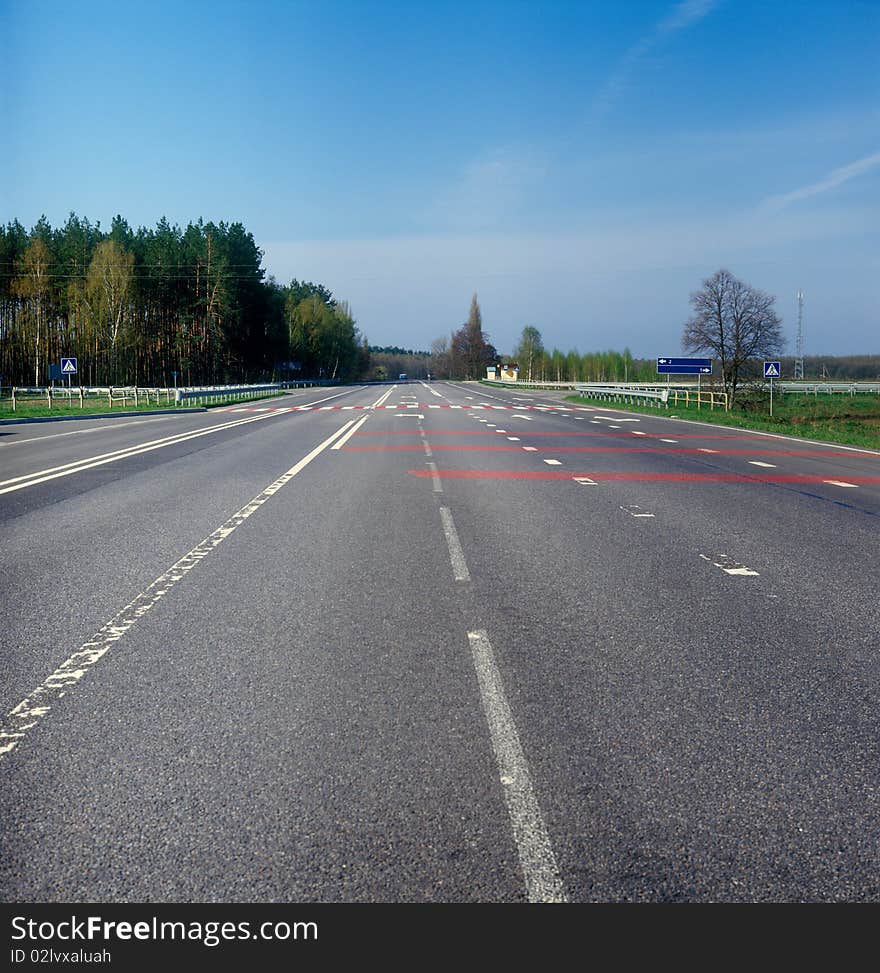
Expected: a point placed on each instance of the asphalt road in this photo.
(436, 643)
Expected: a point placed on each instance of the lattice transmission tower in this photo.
(799, 345)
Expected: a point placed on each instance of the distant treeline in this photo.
(137, 306)
(394, 350)
(143, 306)
(836, 367)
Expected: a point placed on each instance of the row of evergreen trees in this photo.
(138, 306)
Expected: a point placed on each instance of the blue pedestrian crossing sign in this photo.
(68, 366)
(771, 369)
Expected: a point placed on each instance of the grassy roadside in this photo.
(29, 409)
(850, 421)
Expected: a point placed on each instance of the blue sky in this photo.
(580, 166)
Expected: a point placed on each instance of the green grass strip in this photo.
(844, 419)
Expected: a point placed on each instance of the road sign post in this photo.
(684, 366)
(68, 368)
(772, 369)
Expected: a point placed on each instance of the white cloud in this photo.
(487, 191)
(611, 286)
(682, 16)
(834, 179)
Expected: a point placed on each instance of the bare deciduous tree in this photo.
(735, 323)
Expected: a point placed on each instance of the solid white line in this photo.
(77, 466)
(25, 716)
(456, 554)
(540, 870)
(80, 432)
(344, 439)
(382, 398)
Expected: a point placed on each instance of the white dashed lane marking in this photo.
(540, 870)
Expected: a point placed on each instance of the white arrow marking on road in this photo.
(729, 566)
(634, 510)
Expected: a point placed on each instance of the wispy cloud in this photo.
(488, 191)
(682, 16)
(837, 177)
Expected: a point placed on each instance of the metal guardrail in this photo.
(225, 392)
(809, 388)
(137, 395)
(51, 395)
(651, 394)
(829, 388)
(616, 393)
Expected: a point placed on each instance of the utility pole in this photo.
(799, 346)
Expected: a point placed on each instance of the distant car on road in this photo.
(401, 377)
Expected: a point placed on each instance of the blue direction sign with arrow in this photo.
(684, 366)
(771, 369)
(68, 366)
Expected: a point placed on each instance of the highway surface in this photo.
(436, 642)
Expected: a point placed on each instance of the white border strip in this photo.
(24, 717)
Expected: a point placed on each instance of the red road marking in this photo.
(637, 477)
(654, 450)
(536, 432)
